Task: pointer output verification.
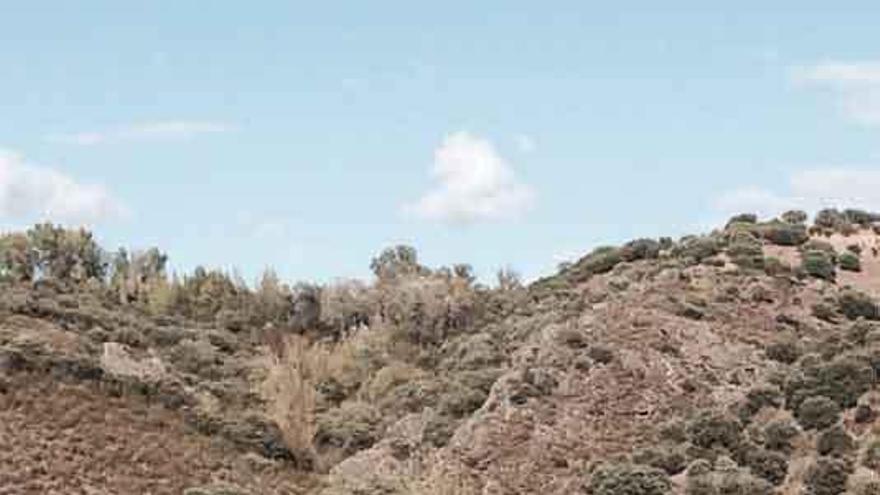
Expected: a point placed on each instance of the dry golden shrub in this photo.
(296, 367)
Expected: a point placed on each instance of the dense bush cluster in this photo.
(628, 479)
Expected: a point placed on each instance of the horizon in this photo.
(309, 138)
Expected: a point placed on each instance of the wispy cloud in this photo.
(30, 192)
(144, 131)
(840, 73)
(808, 190)
(473, 183)
(855, 84)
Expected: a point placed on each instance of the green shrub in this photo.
(784, 233)
(697, 248)
(835, 442)
(758, 398)
(747, 218)
(794, 216)
(830, 218)
(779, 434)
(824, 311)
(854, 304)
(671, 458)
(460, 400)
(712, 429)
(818, 413)
(826, 476)
(850, 262)
(767, 464)
(628, 479)
(600, 260)
(860, 217)
(820, 245)
(640, 249)
(842, 380)
(859, 332)
(352, 427)
(818, 264)
(786, 352)
(746, 250)
(725, 479)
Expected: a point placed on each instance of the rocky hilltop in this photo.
(742, 361)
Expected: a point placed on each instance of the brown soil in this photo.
(58, 438)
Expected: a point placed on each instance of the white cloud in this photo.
(856, 85)
(809, 190)
(144, 131)
(473, 183)
(33, 193)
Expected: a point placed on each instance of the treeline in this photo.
(427, 302)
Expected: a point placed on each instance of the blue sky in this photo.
(307, 137)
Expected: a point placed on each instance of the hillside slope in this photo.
(742, 361)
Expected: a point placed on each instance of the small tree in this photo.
(66, 255)
(16, 258)
(395, 262)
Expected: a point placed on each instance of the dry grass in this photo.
(289, 388)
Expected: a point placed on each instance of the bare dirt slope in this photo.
(62, 438)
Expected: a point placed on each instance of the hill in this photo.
(740, 361)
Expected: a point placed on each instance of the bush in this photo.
(786, 352)
(600, 260)
(864, 484)
(672, 459)
(352, 427)
(712, 429)
(640, 249)
(860, 217)
(854, 304)
(601, 354)
(850, 262)
(773, 266)
(725, 479)
(746, 250)
(835, 442)
(758, 398)
(826, 476)
(818, 413)
(767, 464)
(794, 216)
(818, 264)
(697, 248)
(628, 479)
(830, 218)
(460, 400)
(778, 435)
(784, 234)
(871, 458)
(742, 218)
(843, 380)
(824, 311)
(425, 310)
